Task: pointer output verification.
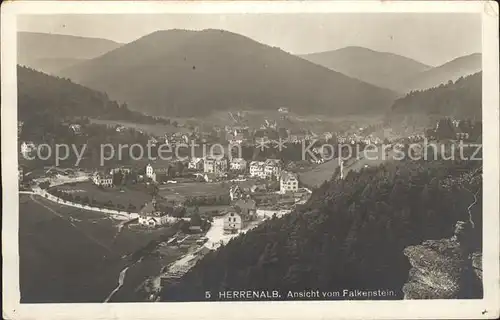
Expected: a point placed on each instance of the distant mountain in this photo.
(41, 96)
(382, 69)
(52, 52)
(459, 67)
(191, 73)
(461, 98)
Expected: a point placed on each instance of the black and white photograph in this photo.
(286, 154)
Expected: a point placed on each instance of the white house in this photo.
(327, 135)
(272, 168)
(153, 171)
(76, 128)
(123, 170)
(215, 165)
(288, 182)
(27, 147)
(257, 169)
(232, 223)
(150, 172)
(265, 170)
(196, 164)
(235, 192)
(151, 217)
(238, 164)
(102, 180)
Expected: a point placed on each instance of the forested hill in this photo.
(192, 73)
(461, 99)
(350, 235)
(42, 95)
(452, 70)
(50, 53)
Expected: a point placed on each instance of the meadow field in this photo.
(178, 192)
(74, 255)
(319, 174)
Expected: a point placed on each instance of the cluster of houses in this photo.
(289, 182)
(241, 135)
(241, 213)
(151, 216)
(105, 179)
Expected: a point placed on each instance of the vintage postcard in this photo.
(250, 160)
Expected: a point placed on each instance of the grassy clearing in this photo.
(136, 195)
(317, 175)
(180, 191)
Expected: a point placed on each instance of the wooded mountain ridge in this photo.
(392, 71)
(383, 69)
(192, 73)
(459, 99)
(42, 96)
(51, 53)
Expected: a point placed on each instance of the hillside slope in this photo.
(460, 99)
(41, 96)
(191, 73)
(459, 67)
(51, 53)
(382, 69)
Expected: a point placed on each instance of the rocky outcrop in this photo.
(444, 269)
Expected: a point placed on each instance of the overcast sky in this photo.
(432, 38)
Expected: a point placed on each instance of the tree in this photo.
(153, 190)
(44, 185)
(445, 129)
(196, 219)
(179, 168)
